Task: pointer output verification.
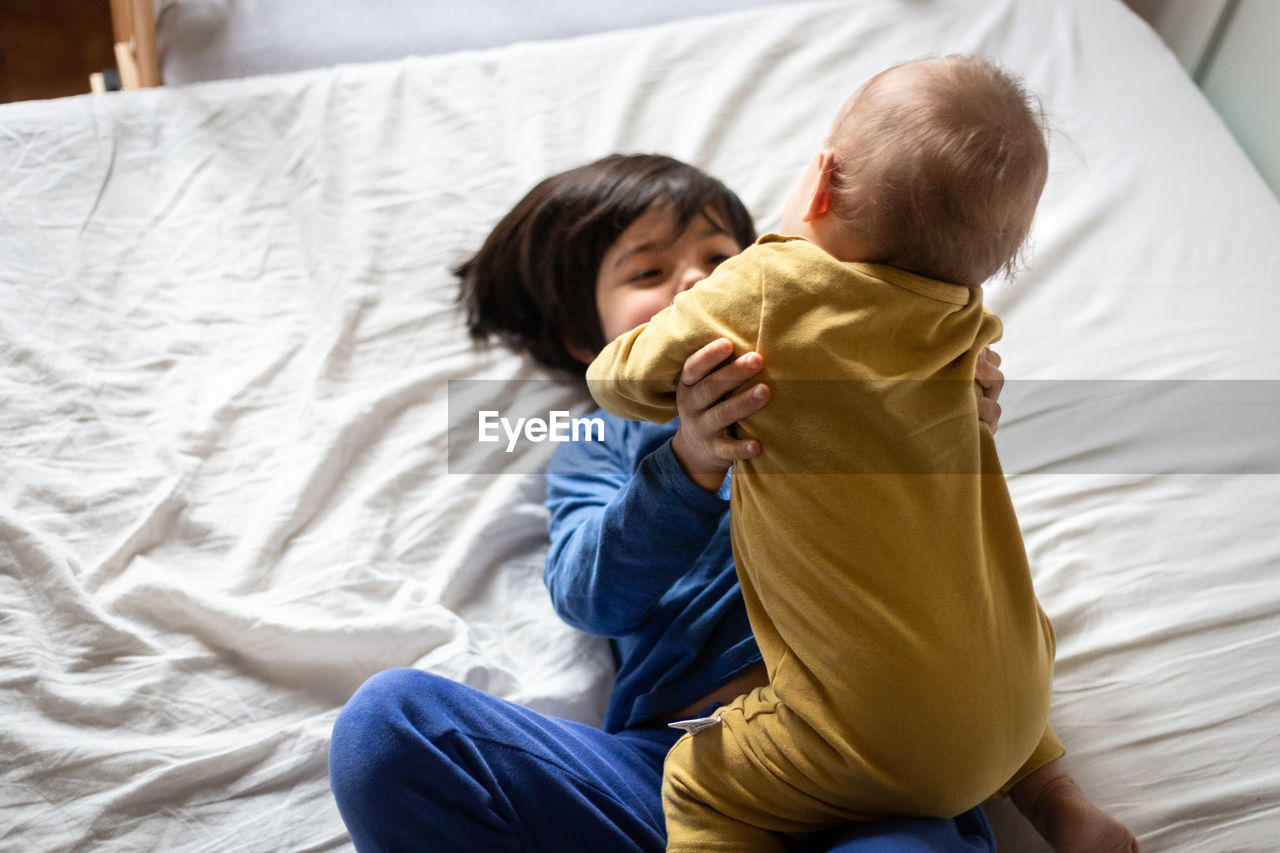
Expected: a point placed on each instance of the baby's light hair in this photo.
(939, 165)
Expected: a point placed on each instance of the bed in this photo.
(230, 362)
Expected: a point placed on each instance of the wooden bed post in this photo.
(134, 25)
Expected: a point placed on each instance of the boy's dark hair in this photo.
(533, 282)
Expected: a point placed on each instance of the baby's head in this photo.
(933, 166)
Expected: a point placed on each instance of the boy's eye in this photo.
(717, 260)
(645, 274)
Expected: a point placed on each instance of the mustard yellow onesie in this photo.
(882, 565)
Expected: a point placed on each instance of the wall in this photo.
(1243, 82)
(1187, 26)
(1232, 49)
(48, 48)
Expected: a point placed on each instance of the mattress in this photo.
(229, 330)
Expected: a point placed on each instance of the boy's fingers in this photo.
(989, 378)
(984, 372)
(733, 374)
(712, 389)
(990, 383)
(989, 412)
(739, 406)
(701, 363)
(732, 450)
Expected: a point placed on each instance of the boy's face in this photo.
(650, 263)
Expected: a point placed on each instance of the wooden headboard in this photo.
(134, 25)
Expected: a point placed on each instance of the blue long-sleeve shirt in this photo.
(640, 554)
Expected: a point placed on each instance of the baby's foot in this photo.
(1072, 824)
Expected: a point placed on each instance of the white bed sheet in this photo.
(227, 327)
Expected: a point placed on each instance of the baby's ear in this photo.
(819, 203)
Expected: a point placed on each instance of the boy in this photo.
(909, 662)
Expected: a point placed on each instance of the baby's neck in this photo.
(838, 242)
(852, 252)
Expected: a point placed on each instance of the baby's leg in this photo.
(758, 778)
(693, 825)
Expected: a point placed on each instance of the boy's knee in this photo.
(381, 751)
(370, 734)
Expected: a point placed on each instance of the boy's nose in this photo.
(691, 275)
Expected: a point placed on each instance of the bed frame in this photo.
(133, 23)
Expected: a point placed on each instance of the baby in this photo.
(909, 661)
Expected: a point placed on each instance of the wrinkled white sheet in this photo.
(227, 325)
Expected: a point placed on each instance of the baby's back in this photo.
(883, 566)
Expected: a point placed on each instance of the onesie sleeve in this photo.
(635, 376)
(1047, 750)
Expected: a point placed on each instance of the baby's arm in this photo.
(1065, 817)
(636, 375)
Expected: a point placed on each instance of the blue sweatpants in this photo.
(419, 762)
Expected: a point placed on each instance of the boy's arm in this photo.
(635, 376)
(622, 531)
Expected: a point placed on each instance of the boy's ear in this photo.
(820, 192)
(581, 353)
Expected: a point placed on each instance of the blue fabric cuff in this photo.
(668, 469)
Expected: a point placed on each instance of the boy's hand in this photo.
(987, 383)
(704, 445)
(1065, 817)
